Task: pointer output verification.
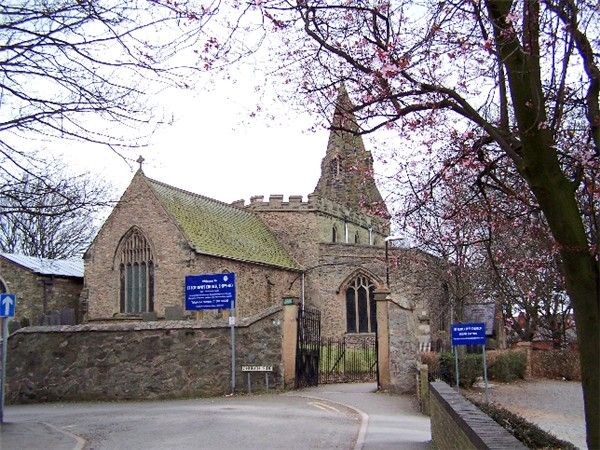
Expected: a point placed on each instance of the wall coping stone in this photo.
(481, 429)
(154, 325)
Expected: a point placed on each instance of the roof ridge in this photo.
(195, 194)
(69, 267)
(40, 258)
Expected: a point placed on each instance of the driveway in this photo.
(554, 406)
(389, 421)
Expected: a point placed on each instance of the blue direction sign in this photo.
(211, 291)
(7, 305)
(468, 333)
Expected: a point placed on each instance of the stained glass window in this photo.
(136, 274)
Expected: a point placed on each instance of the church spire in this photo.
(347, 168)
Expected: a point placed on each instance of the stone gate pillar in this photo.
(396, 344)
(383, 338)
(289, 340)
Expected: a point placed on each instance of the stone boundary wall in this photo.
(140, 360)
(457, 423)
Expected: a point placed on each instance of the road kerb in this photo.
(79, 441)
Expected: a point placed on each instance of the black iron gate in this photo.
(308, 348)
(348, 360)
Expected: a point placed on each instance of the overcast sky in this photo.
(215, 148)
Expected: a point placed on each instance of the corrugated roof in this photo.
(216, 228)
(72, 267)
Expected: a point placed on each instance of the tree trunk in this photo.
(556, 197)
(539, 165)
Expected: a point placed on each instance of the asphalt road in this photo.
(244, 422)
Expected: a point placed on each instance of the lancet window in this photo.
(335, 166)
(136, 271)
(360, 306)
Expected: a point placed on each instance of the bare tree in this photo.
(85, 71)
(51, 218)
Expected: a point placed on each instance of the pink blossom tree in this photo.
(506, 89)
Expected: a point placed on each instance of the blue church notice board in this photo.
(468, 333)
(210, 291)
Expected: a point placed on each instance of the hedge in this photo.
(505, 366)
(508, 366)
(556, 364)
(529, 434)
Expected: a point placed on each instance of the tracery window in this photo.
(136, 269)
(360, 306)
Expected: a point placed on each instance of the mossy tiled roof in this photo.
(216, 228)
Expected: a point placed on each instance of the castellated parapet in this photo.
(314, 203)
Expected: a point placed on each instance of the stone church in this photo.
(328, 251)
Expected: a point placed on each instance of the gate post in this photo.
(289, 340)
(383, 338)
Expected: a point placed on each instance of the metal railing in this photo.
(348, 361)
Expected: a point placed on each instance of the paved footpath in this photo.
(34, 435)
(388, 421)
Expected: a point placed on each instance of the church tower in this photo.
(347, 168)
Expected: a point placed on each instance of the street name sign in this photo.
(210, 291)
(255, 368)
(468, 334)
(7, 305)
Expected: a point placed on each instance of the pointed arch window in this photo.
(360, 306)
(356, 238)
(334, 234)
(3, 289)
(136, 274)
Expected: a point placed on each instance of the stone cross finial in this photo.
(140, 160)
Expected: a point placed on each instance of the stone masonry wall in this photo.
(301, 231)
(60, 292)
(417, 282)
(143, 360)
(416, 278)
(318, 204)
(257, 286)
(403, 348)
(339, 264)
(307, 234)
(457, 423)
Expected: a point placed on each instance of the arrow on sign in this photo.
(7, 302)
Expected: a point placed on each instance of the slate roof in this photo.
(72, 267)
(219, 229)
